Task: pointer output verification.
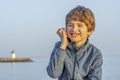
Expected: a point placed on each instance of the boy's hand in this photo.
(63, 36)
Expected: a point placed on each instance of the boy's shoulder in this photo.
(94, 49)
(93, 46)
(58, 43)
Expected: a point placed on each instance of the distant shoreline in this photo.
(15, 60)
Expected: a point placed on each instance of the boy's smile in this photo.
(74, 34)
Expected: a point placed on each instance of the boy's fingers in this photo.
(59, 31)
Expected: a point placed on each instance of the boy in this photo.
(74, 58)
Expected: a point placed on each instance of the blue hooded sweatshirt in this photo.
(71, 64)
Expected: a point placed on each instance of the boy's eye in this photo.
(70, 25)
(79, 26)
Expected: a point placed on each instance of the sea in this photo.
(36, 70)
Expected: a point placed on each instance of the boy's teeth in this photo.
(74, 34)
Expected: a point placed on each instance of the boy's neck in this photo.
(79, 44)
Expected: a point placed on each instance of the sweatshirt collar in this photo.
(72, 47)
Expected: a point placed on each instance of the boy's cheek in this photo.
(68, 35)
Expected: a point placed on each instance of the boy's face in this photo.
(77, 31)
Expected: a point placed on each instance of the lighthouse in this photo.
(13, 54)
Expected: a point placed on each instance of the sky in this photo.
(29, 26)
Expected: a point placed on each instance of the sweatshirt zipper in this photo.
(73, 77)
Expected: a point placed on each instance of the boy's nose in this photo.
(74, 28)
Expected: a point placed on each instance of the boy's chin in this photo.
(75, 41)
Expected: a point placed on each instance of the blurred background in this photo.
(29, 26)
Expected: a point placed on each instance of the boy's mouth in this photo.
(74, 34)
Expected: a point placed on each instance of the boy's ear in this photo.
(90, 32)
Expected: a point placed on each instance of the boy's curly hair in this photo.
(82, 14)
